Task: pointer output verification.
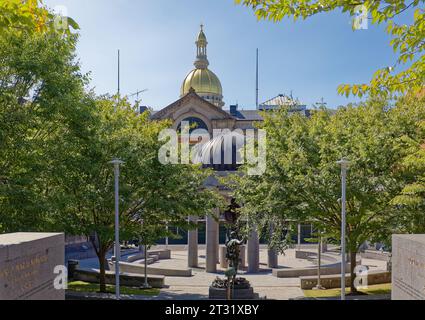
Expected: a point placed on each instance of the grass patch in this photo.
(81, 286)
(373, 289)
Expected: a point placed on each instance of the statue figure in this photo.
(232, 250)
(233, 243)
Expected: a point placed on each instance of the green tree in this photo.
(302, 179)
(151, 193)
(411, 201)
(31, 16)
(42, 101)
(57, 141)
(408, 71)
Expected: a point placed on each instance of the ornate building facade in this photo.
(201, 99)
(201, 103)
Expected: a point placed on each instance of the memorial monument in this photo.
(408, 267)
(232, 287)
(27, 266)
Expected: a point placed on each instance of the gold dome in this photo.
(203, 81)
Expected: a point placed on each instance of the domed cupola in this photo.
(205, 83)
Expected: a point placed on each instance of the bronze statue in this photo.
(232, 250)
(233, 243)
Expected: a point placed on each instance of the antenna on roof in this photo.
(256, 81)
(137, 95)
(321, 103)
(118, 80)
(119, 72)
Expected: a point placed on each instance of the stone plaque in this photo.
(408, 267)
(27, 266)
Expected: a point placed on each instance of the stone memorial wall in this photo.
(408, 267)
(27, 265)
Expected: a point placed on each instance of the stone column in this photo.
(192, 245)
(271, 253)
(218, 241)
(272, 258)
(242, 256)
(211, 242)
(223, 261)
(324, 246)
(253, 252)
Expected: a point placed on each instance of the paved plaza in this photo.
(265, 284)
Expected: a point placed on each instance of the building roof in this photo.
(248, 115)
(278, 101)
(190, 95)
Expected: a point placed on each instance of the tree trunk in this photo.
(102, 268)
(101, 256)
(353, 255)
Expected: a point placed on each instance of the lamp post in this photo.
(146, 283)
(166, 238)
(319, 263)
(299, 236)
(344, 163)
(117, 253)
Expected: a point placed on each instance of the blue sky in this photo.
(156, 39)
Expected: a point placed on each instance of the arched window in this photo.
(194, 123)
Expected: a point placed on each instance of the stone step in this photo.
(154, 257)
(142, 261)
(126, 279)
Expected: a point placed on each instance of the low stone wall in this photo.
(139, 260)
(334, 281)
(126, 279)
(376, 255)
(299, 254)
(161, 253)
(140, 269)
(149, 261)
(311, 246)
(310, 271)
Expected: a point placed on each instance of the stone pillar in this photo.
(242, 256)
(223, 261)
(272, 258)
(324, 246)
(211, 242)
(192, 245)
(253, 253)
(218, 240)
(271, 253)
